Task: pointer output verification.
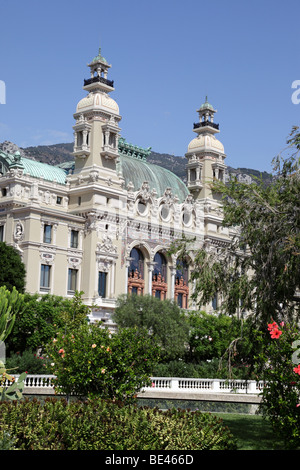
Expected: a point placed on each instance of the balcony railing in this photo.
(98, 79)
(206, 123)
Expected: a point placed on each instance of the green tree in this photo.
(259, 270)
(93, 362)
(42, 317)
(162, 318)
(12, 269)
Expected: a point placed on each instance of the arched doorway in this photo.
(136, 282)
(159, 277)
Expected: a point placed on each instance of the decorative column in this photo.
(173, 273)
(150, 265)
(127, 264)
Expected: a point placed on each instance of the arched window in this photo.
(159, 277)
(181, 289)
(136, 281)
(182, 270)
(136, 262)
(160, 266)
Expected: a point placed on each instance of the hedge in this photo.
(98, 424)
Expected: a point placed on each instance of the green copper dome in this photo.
(99, 57)
(206, 105)
(137, 171)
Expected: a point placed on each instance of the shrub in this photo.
(105, 425)
(6, 442)
(28, 361)
(281, 373)
(93, 362)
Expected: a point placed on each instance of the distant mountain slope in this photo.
(59, 153)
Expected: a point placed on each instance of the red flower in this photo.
(297, 369)
(271, 326)
(275, 334)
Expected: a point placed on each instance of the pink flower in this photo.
(93, 345)
(153, 384)
(102, 371)
(62, 352)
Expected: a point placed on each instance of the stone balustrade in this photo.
(42, 384)
(178, 385)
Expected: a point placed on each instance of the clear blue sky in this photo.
(166, 56)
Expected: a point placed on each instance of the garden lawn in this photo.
(251, 431)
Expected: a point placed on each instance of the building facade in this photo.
(103, 223)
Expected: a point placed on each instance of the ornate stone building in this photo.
(102, 224)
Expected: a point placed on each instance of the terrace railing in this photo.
(43, 383)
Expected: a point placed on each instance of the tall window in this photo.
(181, 289)
(160, 266)
(102, 284)
(159, 277)
(47, 233)
(136, 281)
(72, 280)
(137, 262)
(45, 277)
(1, 233)
(74, 239)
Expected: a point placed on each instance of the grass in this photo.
(251, 431)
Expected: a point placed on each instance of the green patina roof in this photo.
(43, 170)
(137, 171)
(32, 167)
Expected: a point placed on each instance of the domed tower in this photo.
(96, 131)
(205, 154)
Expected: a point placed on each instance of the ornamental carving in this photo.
(136, 283)
(181, 289)
(107, 245)
(159, 284)
(19, 232)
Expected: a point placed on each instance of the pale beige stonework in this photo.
(96, 216)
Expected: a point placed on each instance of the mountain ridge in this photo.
(55, 154)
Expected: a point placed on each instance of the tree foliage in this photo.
(162, 318)
(259, 270)
(42, 317)
(12, 269)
